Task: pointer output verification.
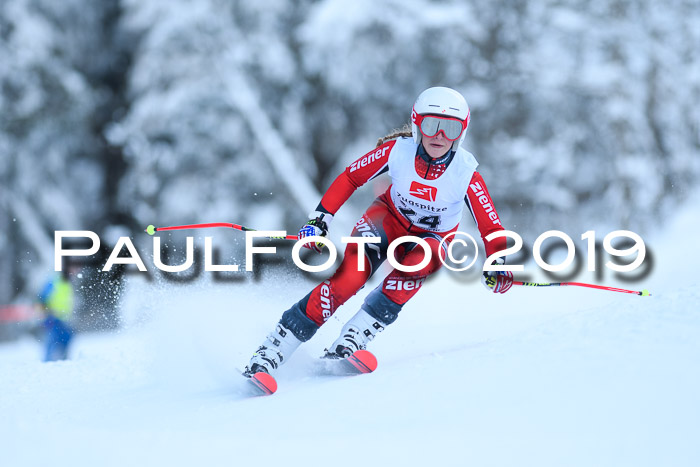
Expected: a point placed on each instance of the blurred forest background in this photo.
(115, 114)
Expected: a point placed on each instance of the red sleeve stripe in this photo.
(355, 175)
(484, 213)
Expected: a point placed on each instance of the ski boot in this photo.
(275, 350)
(355, 335)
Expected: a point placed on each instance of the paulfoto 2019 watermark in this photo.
(457, 261)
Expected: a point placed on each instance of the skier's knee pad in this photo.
(380, 307)
(297, 322)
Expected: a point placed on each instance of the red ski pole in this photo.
(151, 229)
(643, 293)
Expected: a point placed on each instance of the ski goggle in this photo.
(431, 125)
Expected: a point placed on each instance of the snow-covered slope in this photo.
(547, 377)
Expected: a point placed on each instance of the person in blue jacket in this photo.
(56, 298)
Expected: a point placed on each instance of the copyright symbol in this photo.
(465, 242)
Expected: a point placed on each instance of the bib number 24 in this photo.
(426, 222)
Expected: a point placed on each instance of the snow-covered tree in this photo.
(53, 91)
(205, 75)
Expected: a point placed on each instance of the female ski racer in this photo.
(432, 178)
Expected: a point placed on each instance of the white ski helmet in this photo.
(443, 102)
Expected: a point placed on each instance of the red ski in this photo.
(360, 362)
(264, 383)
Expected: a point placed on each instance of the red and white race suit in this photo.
(426, 199)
